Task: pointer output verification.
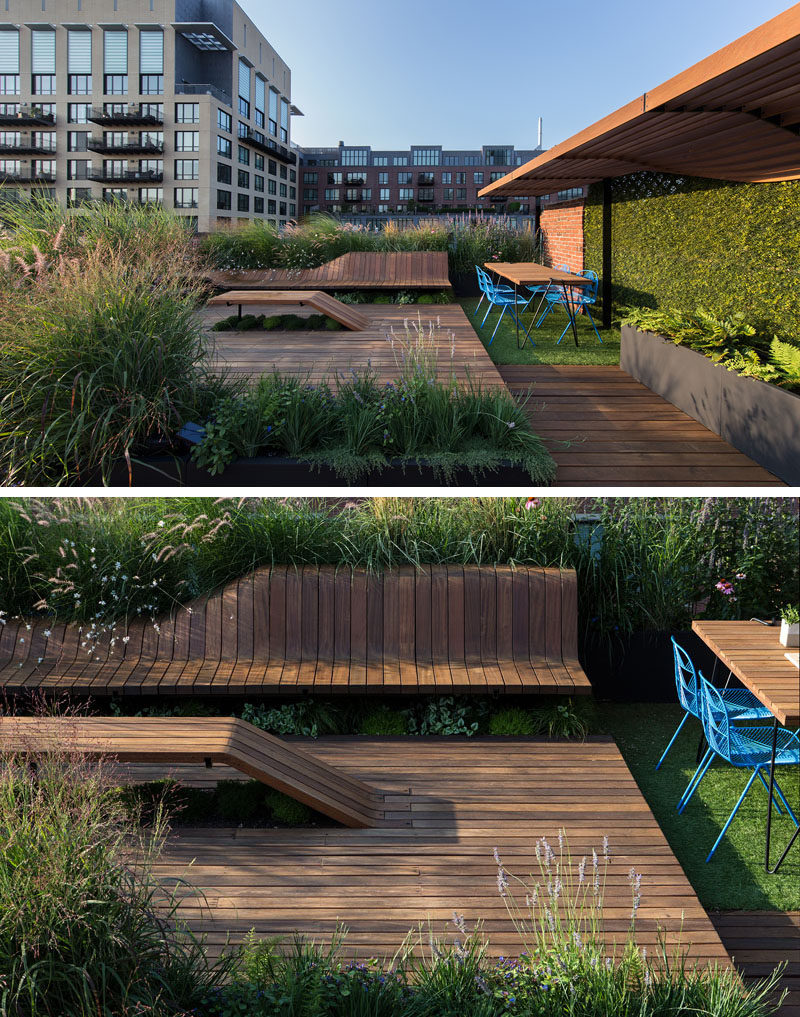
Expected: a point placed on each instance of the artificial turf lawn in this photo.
(504, 348)
(735, 877)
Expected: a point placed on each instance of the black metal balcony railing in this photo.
(126, 176)
(122, 147)
(426, 179)
(28, 116)
(28, 178)
(27, 147)
(268, 145)
(133, 113)
(185, 88)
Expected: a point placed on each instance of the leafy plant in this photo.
(514, 721)
(785, 358)
(447, 715)
(307, 717)
(288, 810)
(790, 613)
(383, 720)
(561, 720)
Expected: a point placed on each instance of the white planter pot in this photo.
(790, 634)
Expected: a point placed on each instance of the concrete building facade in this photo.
(182, 102)
(360, 180)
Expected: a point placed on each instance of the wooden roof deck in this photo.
(321, 355)
(466, 798)
(287, 631)
(619, 432)
(356, 270)
(758, 942)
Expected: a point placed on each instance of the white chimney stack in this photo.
(539, 142)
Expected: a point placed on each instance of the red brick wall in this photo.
(562, 228)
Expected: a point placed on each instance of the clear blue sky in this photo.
(463, 73)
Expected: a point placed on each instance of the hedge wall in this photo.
(686, 242)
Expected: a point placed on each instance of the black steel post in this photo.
(606, 268)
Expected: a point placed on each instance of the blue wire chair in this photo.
(744, 747)
(742, 703)
(583, 298)
(500, 296)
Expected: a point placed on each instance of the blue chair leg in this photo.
(742, 797)
(498, 324)
(763, 780)
(550, 307)
(782, 797)
(475, 312)
(566, 329)
(672, 739)
(694, 783)
(488, 312)
(593, 325)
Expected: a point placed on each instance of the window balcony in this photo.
(139, 114)
(426, 179)
(185, 88)
(28, 177)
(28, 147)
(125, 147)
(28, 116)
(126, 176)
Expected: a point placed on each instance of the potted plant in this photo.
(790, 625)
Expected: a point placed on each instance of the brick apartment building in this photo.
(359, 180)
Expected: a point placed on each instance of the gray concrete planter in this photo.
(759, 419)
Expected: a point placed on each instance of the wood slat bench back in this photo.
(196, 740)
(354, 270)
(324, 629)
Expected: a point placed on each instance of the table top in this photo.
(524, 273)
(754, 654)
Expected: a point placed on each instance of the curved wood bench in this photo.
(356, 270)
(316, 629)
(345, 314)
(204, 740)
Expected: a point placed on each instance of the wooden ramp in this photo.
(316, 629)
(345, 314)
(603, 427)
(357, 270)
(466, 798)
(203, 741)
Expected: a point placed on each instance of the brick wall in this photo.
(562, 229)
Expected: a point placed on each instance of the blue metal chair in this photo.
(500, 296)
(742, 703)
(551, 292)
(744, 747)
(583, 298)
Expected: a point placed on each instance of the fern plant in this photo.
(785, 357)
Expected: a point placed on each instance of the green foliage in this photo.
(279, 322)
(240, 801)
(82, 931)
(309, 717)
(383, 720)
(687, 242)
(561, 720)
(790, 613)
(448, 715)
(359, 427)
(727, 340)
(516, 721)
(288, 810)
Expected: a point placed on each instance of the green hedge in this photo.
(688, 242)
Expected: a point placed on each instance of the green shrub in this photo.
(382, 298)
(309, 717)
(383, 720)
(514, 721)
(82, 931)
(332, 325)
(448, 715)
(561, 720)
(240, 801)
(288, 810)
(248, 322)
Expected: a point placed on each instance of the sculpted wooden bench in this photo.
(356, 270)
(320, 630)
(345, 314)
(208, 740)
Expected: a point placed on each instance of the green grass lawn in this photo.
(735, 876)
(504, 348)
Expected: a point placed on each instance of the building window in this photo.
(498, 156)
(77, 169)
(331, 193)
(258, 183)
(272, 206)
(380, 160)
(404, 179)
(282, 172)
(243, 179)
(461, 194)
(187, 169)
(309, 178)
(258, 161)
(115, 194)
(461, 178)
(223, 199)
(9, 84)
(77, 141)
(399, 160)
(187, 141)
(406, 194)
(284, 123)
(383, 209)
(272, 167)
(425, 194)
(151, 194)
(496, 175)
(79, 84)
(447, 177)
(223, 147)
(78, 112)
(244, 88)
(282, 190)
(293, 176)
(223, 173)
(354, 157)
(351, 194)
(185, 197)
(187, 113)
(425, 156)
(78, 196)
(224, 120)
(243, 202)
(310, 194)
(477, 178)
(384, 194)
(151, 84)
(244, 155)
(383, 179)
(115, 84)
(44, 84)
(272, 186)
(447, 194)
(258, 206)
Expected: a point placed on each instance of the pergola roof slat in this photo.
(733, 116)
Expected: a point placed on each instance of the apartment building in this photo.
(182, 102)
(358, 179)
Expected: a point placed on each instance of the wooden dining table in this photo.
(531, 273)
(751, 651)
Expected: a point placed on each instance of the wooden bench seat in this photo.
(198, 740)
(345, 314)
(356, 270)
(316, 629)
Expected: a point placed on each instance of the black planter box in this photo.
(465, 284)
(759, 419)
(274, 471)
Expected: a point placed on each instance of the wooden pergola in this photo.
(733, 116)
